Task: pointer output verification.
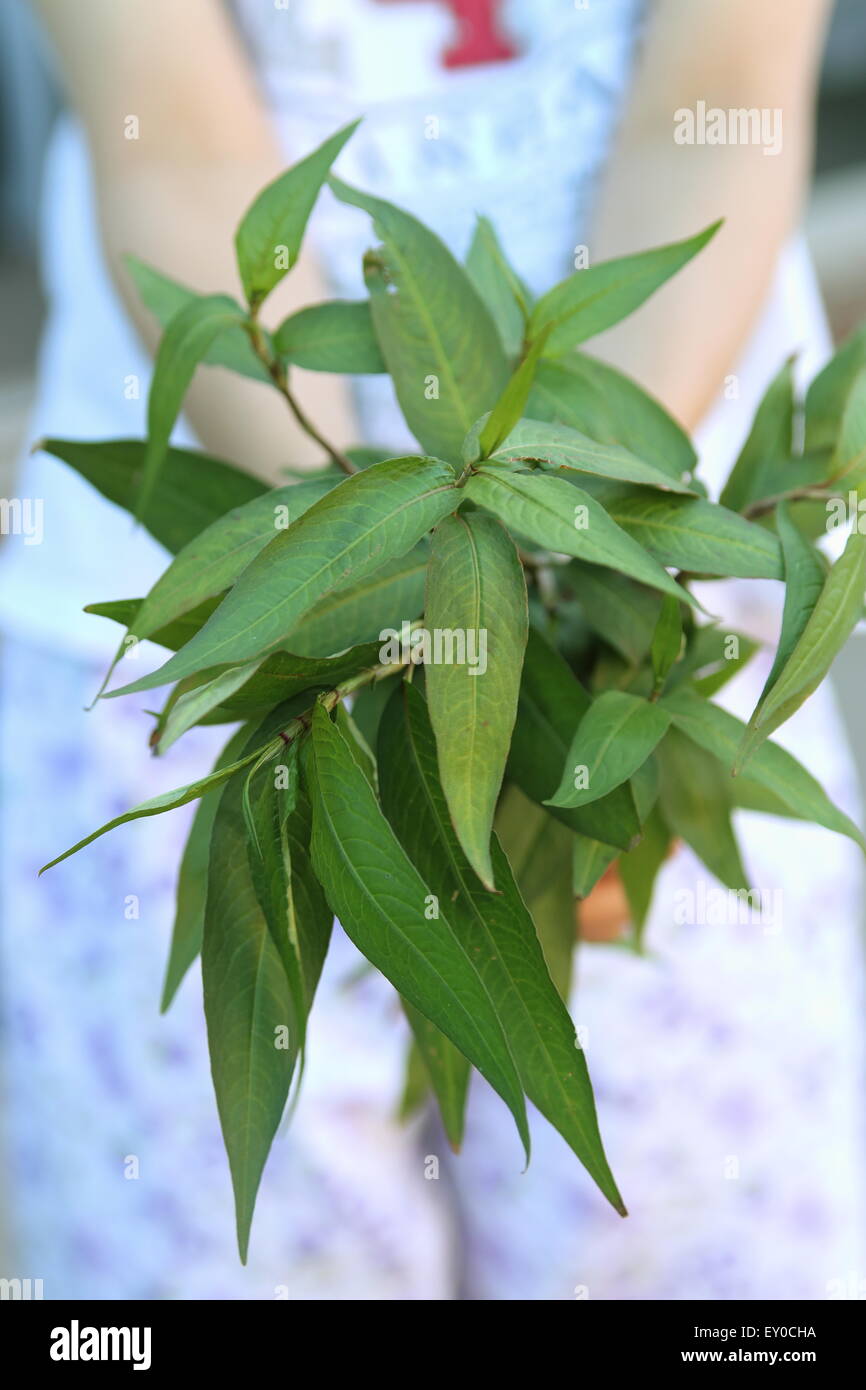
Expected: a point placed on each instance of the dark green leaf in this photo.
(538, 850)
(447, 1071)
(562, 447)
(382, 903)
(619, 610)
(667, 640)
(497, 933)
(698, 536)
(696, 804)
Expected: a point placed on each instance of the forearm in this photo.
(685, 340)
(202, 147)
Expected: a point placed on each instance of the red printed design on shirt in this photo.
(479, 36)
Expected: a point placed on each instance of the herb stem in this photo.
(279, 376)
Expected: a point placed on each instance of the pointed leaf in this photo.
(506, 413)
(538, 850)
(436, 334)
(594, 299)
(562, 518)
(770, 440)
(502, 290)
(447, 1072)
(367, 520)
(268, 240)
(194, 488)
(697, 536)
(382, 903)
(828, 394)
(614, 738)
(498, 934)
(475, 591)
(695, 802)
(667, 641)
(562, 447)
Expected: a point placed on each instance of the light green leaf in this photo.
(594, 299)
(502, 290)
(194, 705)
(497, 933)
(380, 899)
(370, 518)
(590, 396)
(437, 337)
(590, 860)
(773, 768)
(697, 536)
(337, 336)
(614, 738)
(770, 442)
(194, 488)
(212, 561)
(475, 593)
(833, 618)
(383, 599)
(166, 801)
(562, 447)
(506, 413)
(182, 347)
(186, 934)
(165, 298)
(848, 464)
(829, 392)
(268, 240)
(695, 803)
(804, 579)
(554, 514)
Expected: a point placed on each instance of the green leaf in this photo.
(184, 344)
(212, 561)
(497, 933)
(437, 337)
(554, 514)
(194, 489)
(370, 518)
(772, 767)
(590, 860)
(447, 1071)
(173, 635)
(837, 610)
(640, 867)
(599, 401)
(359, 614)
(697, 536)
(505, 415)
(594, 299)
(696, 804)
(502, 290)
(770, 441)
(268, 240)
(617, 609)
(337, 336)
(614, 738)
(667, 641)
(186, 934)
(561, 447)
(282, 676)
(828, 394)
(165, 298)
(848, 464)
(804, 580)
(380, 899)
(194, 705)
(166, 801)
(538, 850)
(551, 705)
(475, 590)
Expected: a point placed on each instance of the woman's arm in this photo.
(174, 195)
(737, 55)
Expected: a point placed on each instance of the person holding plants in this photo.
(558, 124)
